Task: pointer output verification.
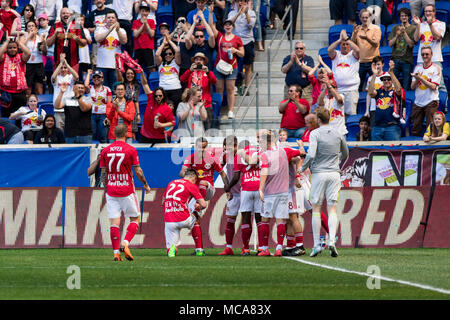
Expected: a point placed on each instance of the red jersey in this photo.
(7, 18)
(144, 41)
(204, 166)
(250, 173)
(164, 114)
(292, 117)
(292, 153)
(176, 198)
(71, 48)
(118, 158)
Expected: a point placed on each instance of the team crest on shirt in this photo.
(421, 85)
(427, 38)
(207, 166)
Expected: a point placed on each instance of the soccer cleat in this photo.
(226, 252)
(200, 253)
(298, 251)
(316, 250)
(333, 251)
(126, 251)
(278, 253)
(245, 252)
(172, 251)
(287, 252)
(264, 253)
(117, 257)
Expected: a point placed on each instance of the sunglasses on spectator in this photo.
(168, 54)
(158, 95)
(299, 48)
(181, 21)
(425, 54)
(197, 36)
(27, 9)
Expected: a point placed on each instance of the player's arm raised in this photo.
(140, 174)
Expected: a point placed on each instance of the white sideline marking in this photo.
(364, 274)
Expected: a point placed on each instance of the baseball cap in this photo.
(97, 73)
(387, 75)
(228, 21)
(43, 16)
(164, 24)
(144, 5)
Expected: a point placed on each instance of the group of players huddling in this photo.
(270, 180)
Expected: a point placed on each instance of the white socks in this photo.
(316, 225)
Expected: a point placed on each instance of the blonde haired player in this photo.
(116, 162)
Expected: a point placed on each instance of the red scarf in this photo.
(13, 68)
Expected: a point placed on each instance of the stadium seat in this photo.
(388, 32)
(399, 6)
(415, 53)
(411, 138)
(47, 107)
(446, 57)
(323, 52)
(443, 100)
(153, 80)
(334, 32)
(385, 53)
(164, 14)
(352, 124)
(361, 106)
(45, 98)
(443, 11)
(410, 96)
(383, 33)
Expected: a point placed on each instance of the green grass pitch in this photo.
(42, 274)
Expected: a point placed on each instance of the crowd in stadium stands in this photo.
(98, 58)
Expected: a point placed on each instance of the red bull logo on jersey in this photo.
(384, 103)
(343, 65)
(110, 43)
(421, 85)
(427, 38)
(335, 113)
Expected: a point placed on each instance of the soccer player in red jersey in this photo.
(176, 212)
(116, 163)
(274, 189)
(230, 146)
(205, 163)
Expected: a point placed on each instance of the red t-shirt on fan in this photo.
(144, 41)
(292, 117)
(176, 198)
(205, 166)
(118, 158)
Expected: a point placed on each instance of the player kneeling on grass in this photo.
(116, 162)
(176, 213)
(327, 147)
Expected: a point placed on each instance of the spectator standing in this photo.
(367, 37)
(8, 16)
(201, 6)
(345, 67)
(426, 79)
(316, 82)
(294, 109)
(402, 42)
(64, 75)
(52, 8)
(157, 117)
(438, 130)
(365, 131)
(201, 77)
(294, 74)
(9, 133)
(120, 111)
(67, 43)
(27, 15)
(370, 102)
(229, 47)
(49, 134)
(339, 8)
(48, 58)
(100, 96)
(110, 38)
(244, 20)
(198, 42)
(152, 6)
(124, 15)
(386, 126)
(83, 50)
(144, 30)
(13, 81)
(430, 33)
(191, 114)
(333, 101)
(168, 60)
(35, 66)
(31, 118)
(77, 110)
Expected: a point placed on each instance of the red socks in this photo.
(281, 232)
(131, 230)
(246, 232)
(290, 241)
(115, 237)
(298, 238)
(324, 221)
(264, 228)
(229, 230)
(197, 236)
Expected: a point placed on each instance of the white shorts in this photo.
(233, 205)
(296, 202)
(210, 191)
(172, 230)
(250, 202)
(128, 205)
(275, 206)
(325, 185)
(350, 101)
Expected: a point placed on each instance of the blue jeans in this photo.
(403, 70)
(109, 77)
(389, 133)
(365, 69)
(295, 133)
(99, 131)
(79, 140)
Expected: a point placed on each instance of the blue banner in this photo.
(52, 167)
